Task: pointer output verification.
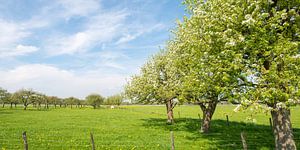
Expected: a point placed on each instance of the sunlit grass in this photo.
(134, 127)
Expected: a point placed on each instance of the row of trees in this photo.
(244, 51)
(29, 97)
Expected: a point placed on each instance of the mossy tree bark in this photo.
(208, 111)
(170, 106)
(282, 129)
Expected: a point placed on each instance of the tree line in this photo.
(241, 51)
(39, 100)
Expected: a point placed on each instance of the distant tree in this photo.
(64, 102)
(25, 97)
(54, 100)
(12, 100)
(38, 99)
(78, 102)
(60, 102)
(114, 99)
(4, 96)
(47, 101)
(94, 100)
(82, 103)
(71, 101)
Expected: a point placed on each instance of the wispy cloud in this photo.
(78, 7)
(98, 30)
(19, 50)
(112, 59)
(10, 35)
(137, 31)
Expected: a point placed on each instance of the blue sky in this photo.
(77, 47)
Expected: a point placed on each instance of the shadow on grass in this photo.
(222, 135)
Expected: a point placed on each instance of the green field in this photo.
(133, 127)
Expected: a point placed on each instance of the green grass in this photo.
(134, 127)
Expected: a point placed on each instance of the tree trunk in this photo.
(15, 105)
(54, 105)
(3, 105)
(208, 112)
(282, 129)
(170, 107)
(25, 106)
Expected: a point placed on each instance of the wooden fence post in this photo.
(243, 141)
(92, 141)
(227, 120)
(25, 140)
(172, 141)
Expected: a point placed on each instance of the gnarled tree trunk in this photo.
(282, 129)
(170, 105)
(208, 112)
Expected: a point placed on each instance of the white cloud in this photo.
(59, 82)
(112, 55)
(138, 31)
(19, 50)
(10, 33)
(111, 59)
(26, 49)
(98, 30)
(127, 38)
(78, 7)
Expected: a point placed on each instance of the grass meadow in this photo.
(134, 127)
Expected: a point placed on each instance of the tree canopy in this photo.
(94, 100)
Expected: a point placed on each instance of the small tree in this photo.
(78, 102)
(38, 99)
(4, 96)
(54, 100)
(94, 100)
(114, 99)
(70, 101)
(154, 84)
(12, 100)
(25, 97)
